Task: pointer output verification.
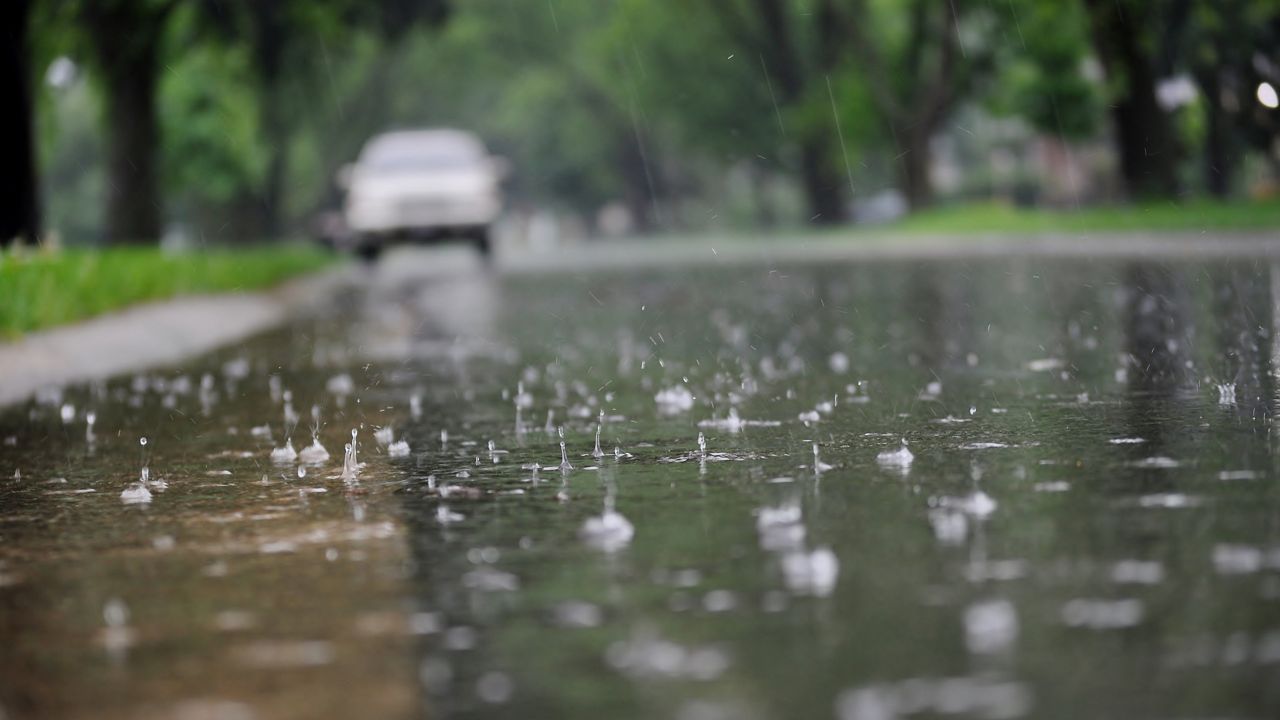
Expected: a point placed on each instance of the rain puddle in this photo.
(994, 489)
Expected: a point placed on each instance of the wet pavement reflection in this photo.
(993, 488)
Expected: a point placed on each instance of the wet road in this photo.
(1083, 521)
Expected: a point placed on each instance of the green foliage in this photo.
(213, 148)
(571, 90)
(1042, 76)
(1180, 217)
(43, 289)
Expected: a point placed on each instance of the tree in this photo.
(1127, 36)
(124, 38)
(798, 52)
(1040, 74)
(19, 201)
(125, 42)
(920, 73)
(1228, 47)
(562, 94)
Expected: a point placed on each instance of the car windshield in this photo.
(421, 153)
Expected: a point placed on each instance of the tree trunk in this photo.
(19, 196)
(126, 40)
(1219, 148)
(268, 48)
(1145, 137)
(641, 187)
(823, 187)
(916, 159)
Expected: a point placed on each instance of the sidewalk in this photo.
(151, 335)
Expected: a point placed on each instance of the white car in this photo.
(421, 185)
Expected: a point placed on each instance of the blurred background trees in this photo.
(226, 120)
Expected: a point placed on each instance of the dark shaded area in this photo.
(19, 197)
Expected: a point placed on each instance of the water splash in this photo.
(674, 400)
(139, 493)
(445, 516)
(314, 453)
(819, 467)
(286, 454)
(399, 448)
(900, 459)
(597, 453)
(350, 464)
(990, 626)
(523, 399)
(136, 494)
(565, 465)
(734, 423)
(384, 435)
(340, 385)
(811, 573)
(1227, 394)
(533, 477)
(702, 445)
(609, 531)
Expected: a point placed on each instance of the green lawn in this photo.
(1189, 216)
(40, 289)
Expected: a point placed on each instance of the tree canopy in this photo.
(231, 117)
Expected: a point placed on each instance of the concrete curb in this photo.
(151, 335)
